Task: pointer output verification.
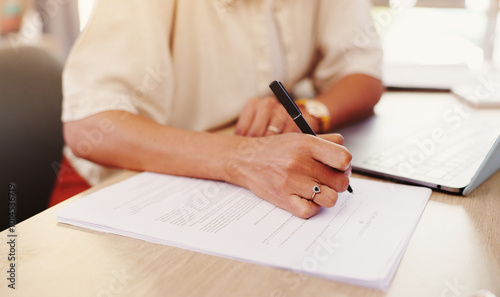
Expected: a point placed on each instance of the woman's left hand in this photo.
(265, 117)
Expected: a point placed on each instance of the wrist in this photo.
(238, 159)
(317, 110)
(314, 122)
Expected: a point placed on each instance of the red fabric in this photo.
(68, 183)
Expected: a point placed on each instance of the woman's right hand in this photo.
(284, 169)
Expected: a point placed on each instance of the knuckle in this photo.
(251, 105)
(252, 133)
(345, 160)
(343, 183)
(281, 183)
(254, 101)
(307, 211)
(339, 138)
(301, 142)
(269, 102)
(289, 170)
(331, 200)
(294, 164)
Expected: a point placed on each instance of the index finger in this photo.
(328, 150)
(333, 137)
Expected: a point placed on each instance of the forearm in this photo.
(352, 98)
(281, 169)
(123, 140)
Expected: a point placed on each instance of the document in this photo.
(361, 240)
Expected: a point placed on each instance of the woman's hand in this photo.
(265, 117)
(284, 170)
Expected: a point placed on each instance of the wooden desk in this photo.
(454, 252)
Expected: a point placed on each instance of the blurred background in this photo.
(413, 31)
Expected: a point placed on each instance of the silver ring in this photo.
(316, 190)
(274, 129)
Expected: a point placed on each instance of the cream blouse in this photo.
(193, 64)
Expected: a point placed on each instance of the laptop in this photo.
(431, 139)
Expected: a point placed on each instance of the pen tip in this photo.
(349, 189)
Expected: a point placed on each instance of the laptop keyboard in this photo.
(423, 157)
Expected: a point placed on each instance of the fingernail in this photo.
(348, 172)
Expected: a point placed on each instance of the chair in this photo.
(30, 128)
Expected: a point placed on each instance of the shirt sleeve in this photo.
(348, 42)
(121, 61)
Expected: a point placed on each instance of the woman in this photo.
(148, 78)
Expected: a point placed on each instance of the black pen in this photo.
(286, 100)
